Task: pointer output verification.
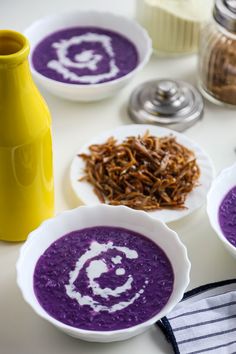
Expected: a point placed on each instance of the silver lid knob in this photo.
(170, 103)
(166, 89)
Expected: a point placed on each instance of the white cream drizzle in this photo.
(95, 269)
(120, 271)
(85, 59)
(117, 259)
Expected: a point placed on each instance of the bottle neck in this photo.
(23, 113)
(14, 68)
(14, 78)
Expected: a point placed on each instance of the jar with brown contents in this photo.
(217, 61)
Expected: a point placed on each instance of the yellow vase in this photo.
(26, 173)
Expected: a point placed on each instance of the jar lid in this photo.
(225, 14)
(173, 104)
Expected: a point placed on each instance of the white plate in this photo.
(196, 198)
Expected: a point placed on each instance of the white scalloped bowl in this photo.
(222, 184)
(92, 92)
(88, 216)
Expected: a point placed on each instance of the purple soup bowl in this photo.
(104, 20)
(222, 184)
(102, 215)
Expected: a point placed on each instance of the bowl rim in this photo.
(218, 180)
(53, 17)
(179, 292)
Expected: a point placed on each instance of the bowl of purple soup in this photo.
(86, 56)
(221, 207)
(103, 273)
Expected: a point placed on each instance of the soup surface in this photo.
(227, 216)
(85, 55)
(103, 278)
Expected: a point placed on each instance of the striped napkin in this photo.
(204, 321)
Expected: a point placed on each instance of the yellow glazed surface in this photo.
(26, 173)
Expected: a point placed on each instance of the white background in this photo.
(21, 331)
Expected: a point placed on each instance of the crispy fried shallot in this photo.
(144, 172)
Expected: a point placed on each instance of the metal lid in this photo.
(173, 104)
(225, 14)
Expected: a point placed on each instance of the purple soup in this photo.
(85, 55)
(227, 216)
(103, 279)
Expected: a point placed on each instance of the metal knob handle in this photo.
(166, 89)
(168, 97)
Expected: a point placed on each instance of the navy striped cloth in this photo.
(204, 321)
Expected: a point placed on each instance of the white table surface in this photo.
(22, 331)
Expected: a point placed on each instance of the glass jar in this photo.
(217, 57)
(174, 25)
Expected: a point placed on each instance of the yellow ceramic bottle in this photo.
(26, 173)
